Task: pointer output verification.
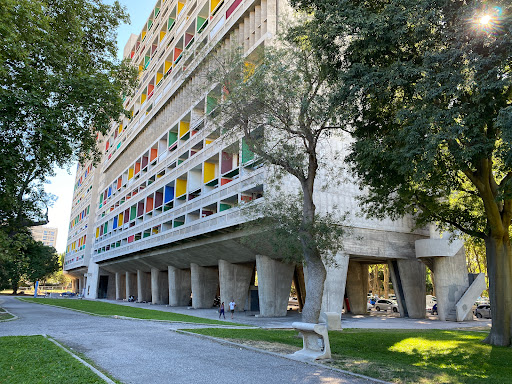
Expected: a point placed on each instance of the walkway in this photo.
(147, 352)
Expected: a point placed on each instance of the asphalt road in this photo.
(149, 352)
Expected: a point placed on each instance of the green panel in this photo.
(247, 154)
(201, 23)
(101, 198)
(178, 224)
(88, 209)
(173, 136)
(171, 23)
(105, 228)
(147, 60)
(224, 207)
(211, 103)
(157, 11)
(146, 234)
(150, 23)
(133, 212)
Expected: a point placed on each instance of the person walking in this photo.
(232, 306)
(221, 310)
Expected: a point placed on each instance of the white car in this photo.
(385, 304)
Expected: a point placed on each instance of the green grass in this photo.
(5, 315)
(34, 359)
(109, 309)
(402, 356)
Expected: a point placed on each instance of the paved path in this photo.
(149, 352)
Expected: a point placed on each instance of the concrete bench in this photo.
(332, 319)
(316, 341)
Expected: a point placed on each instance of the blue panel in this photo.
(109, 191)
(115, 223)
(169, 194)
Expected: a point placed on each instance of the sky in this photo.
(62, 184)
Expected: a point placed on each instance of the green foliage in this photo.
(34, 359)
(401, 356)
(22, 258)
(61, 86)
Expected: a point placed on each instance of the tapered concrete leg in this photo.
(408, 277)
(334, 286)
(131, 284)
(143, 286)
(179, 287)
(204, 281)
(451, 282)
(111, 286)
(274, 283)
(235, 280)
(81, 285)
(92, 281)
(159, 287)
(357, 287)
(74, 285)
(120, 286)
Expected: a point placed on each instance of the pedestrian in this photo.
(232, 306)
(221, 310)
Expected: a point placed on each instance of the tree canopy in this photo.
(427, 87)
(60, 86)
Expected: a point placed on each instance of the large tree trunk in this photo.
(499, 269)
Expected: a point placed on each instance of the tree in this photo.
(60, 87)
(23, 258)
(428, 90)
(276, 101)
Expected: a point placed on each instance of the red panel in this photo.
(149, 204)
(144, 161)
(119, 182)
(126, 216)
(137, 167)
(177, 52)
(131, 238)
(154, 154)
(224, 181)
(232, 8)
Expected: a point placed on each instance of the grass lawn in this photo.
(34, 359)
(5, 315)
(109, 309)
(402, 356)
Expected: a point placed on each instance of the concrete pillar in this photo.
(408, 277)
(274, 283)
(235, 280)
(131, 284)
(143, 286)
(204, 282)
(334, 286)
(91, 291)
(179, 287)
(111, 286)
(159, 284)
(81, 284)
(451, 282)
(120, 286)
(357, 287)
(74, 285)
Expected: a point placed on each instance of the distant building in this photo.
(46, 235)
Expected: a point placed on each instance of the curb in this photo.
(14, 317)
(248, 347)
(95, 370)
(133, 318)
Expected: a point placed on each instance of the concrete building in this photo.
(46, 235)
(158, 218)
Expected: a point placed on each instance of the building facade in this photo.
(46, 235)
(158, 218)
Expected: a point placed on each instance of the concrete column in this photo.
(143, 286)
(451, 282)
(91, 291)
(120, 285)
(179, 287)
(408, 277)
(274, 283)
(111, 287)
(235, 280)
(81, 281)
(357, 287)
(159, 284)
(74, 285)
(204, 282)
(334, 286)
(131, 284)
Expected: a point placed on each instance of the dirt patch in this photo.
(282, 349)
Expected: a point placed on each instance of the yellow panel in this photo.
(143, 98)
(209, 172)
(184, 127)
(120, 221)
(181, 187)
(120, 128)
(162, 35)
(159, 77)
(143, 34)
(208, 142)
(168, 65)
(97, 232)
(180, 6)
(214, 4)
(130, 173)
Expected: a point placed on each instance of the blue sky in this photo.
(62, 184)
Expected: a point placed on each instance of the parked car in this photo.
(386, 304)
(68, 294)
(483, 310)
